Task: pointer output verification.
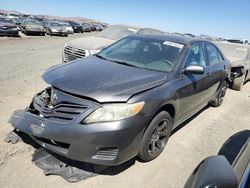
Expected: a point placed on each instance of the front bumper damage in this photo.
(62, 132)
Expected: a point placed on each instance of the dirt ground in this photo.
(23, 60)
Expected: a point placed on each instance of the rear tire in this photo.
(155, 137)
(220, 97)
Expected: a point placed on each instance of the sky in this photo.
(221, 18)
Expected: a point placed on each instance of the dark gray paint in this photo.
(93, 81)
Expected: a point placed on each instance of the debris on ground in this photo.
(13, 137)
(51, 165)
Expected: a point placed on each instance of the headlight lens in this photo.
(114, 112)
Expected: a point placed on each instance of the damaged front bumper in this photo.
(109, 143)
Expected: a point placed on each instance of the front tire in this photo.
(220, 97)
(155, 137)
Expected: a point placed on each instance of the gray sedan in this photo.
(55, 28)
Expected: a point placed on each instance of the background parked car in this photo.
(55, 28)
(98, 27)
(150, 31)
(20, 20)
(86, 27)
(67, 26)
(76, 27)
(3, 14)
(93, 28)
(7, 28)
(104, 26)
(12, 15)
(86, 46)
(239, 55)
(32, 27)
(238, 41)
(36, 17)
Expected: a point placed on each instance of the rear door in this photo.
(216, 69)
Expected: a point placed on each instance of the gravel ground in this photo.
(22, 62)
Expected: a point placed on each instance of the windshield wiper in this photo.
(124, 63)
(99, 56)
(115, 61)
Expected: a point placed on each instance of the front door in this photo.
(194, 91)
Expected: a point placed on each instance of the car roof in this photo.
(173, 38)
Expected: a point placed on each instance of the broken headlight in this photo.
(114, 112)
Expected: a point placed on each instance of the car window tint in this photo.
(212, 54)
(152, 54)
(196, 56)
(128, 48)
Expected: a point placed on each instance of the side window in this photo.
(212, 54)
(196, 56)
(221, 58)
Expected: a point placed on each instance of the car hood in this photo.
(90, 43)
(102, 80)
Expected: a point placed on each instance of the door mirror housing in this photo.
(214, 171)
(194, 69)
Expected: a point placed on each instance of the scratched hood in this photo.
(102, 80)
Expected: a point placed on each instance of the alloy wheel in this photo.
(158, 138)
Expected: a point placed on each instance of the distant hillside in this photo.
(76, 19)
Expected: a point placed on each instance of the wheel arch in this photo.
(168, 108)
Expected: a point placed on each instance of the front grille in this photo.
(52, 142)
(58, 112)
(71, 53)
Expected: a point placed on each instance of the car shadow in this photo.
(179, 127)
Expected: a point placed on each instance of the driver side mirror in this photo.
(214, 171)
(194, 69)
